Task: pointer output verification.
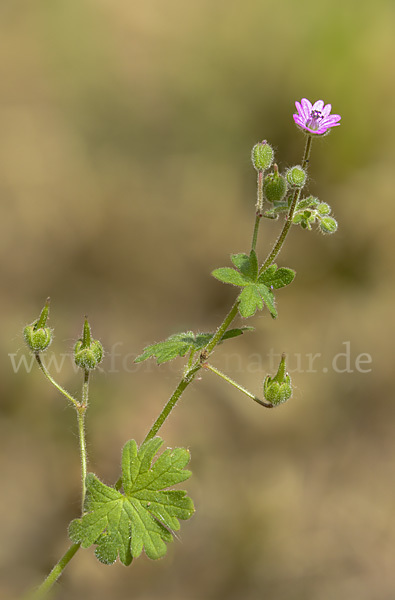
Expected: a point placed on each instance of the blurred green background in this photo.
(125, 178)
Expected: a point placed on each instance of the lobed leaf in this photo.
(176, 345)
(277, 278)
(180, 344)
(250, 301)
(247, 265)
(229, 275)
(144, 516)
(268, 298)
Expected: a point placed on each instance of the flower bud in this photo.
(262, 156)
(296, 176)
(278, 389)
(88, 353)
(274, 186)
(323, 209)
(328, 225)
(37, 336)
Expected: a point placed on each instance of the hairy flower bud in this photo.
(323, 209)
(296, 176)
(88, 353)
(274, 186)
(37, 336)
(262, 156)
(278, 389)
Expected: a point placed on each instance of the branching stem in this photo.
(51, 379)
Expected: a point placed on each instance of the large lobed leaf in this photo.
(144, 516)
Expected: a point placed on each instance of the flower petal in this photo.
(299, 109)
(326, 110)
(319, 105)
(299, 121)
(307, 107)
(331, 120)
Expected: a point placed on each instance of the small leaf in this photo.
(202, 339)
(247, 265)
(235, 332)
(229, 275)
(268, 298)
(277, 278)
(297, 218)
(143, 517)
(175, 345)
(250, 301)
(180, 344)
(239, 260)
(309, 202)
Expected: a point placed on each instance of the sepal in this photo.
(88, 353)
(278, 389)
(37, 336)
(275, 187)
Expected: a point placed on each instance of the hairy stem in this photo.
(57, 570)
(81, 410)
(185, 381)
(222, 329)
(51, 379)
(81, 435)
(237, 385)
(190, 373)
(258, 218)
(259, 207)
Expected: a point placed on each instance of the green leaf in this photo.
(252, 298)
(250, 301)
(229, 275)
(247, 265)
(309, 202)
(268, 299)
(175, 345)
(202, 339)
(277, 278)
(144, 516)
(180, 344)
(231, 333)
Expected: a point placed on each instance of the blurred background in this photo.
(125, 179)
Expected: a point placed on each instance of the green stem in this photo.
(256, 228)
(51, 379)
(190, 374)
(221, 329)
(185, 381)
(288, 221)
(57, 570)
(81, 434)
(83, 454)
(188, 377)
(237, 385)
(259, 208)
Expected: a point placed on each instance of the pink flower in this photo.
(315, 118)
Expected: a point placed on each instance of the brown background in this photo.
(125, 134)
